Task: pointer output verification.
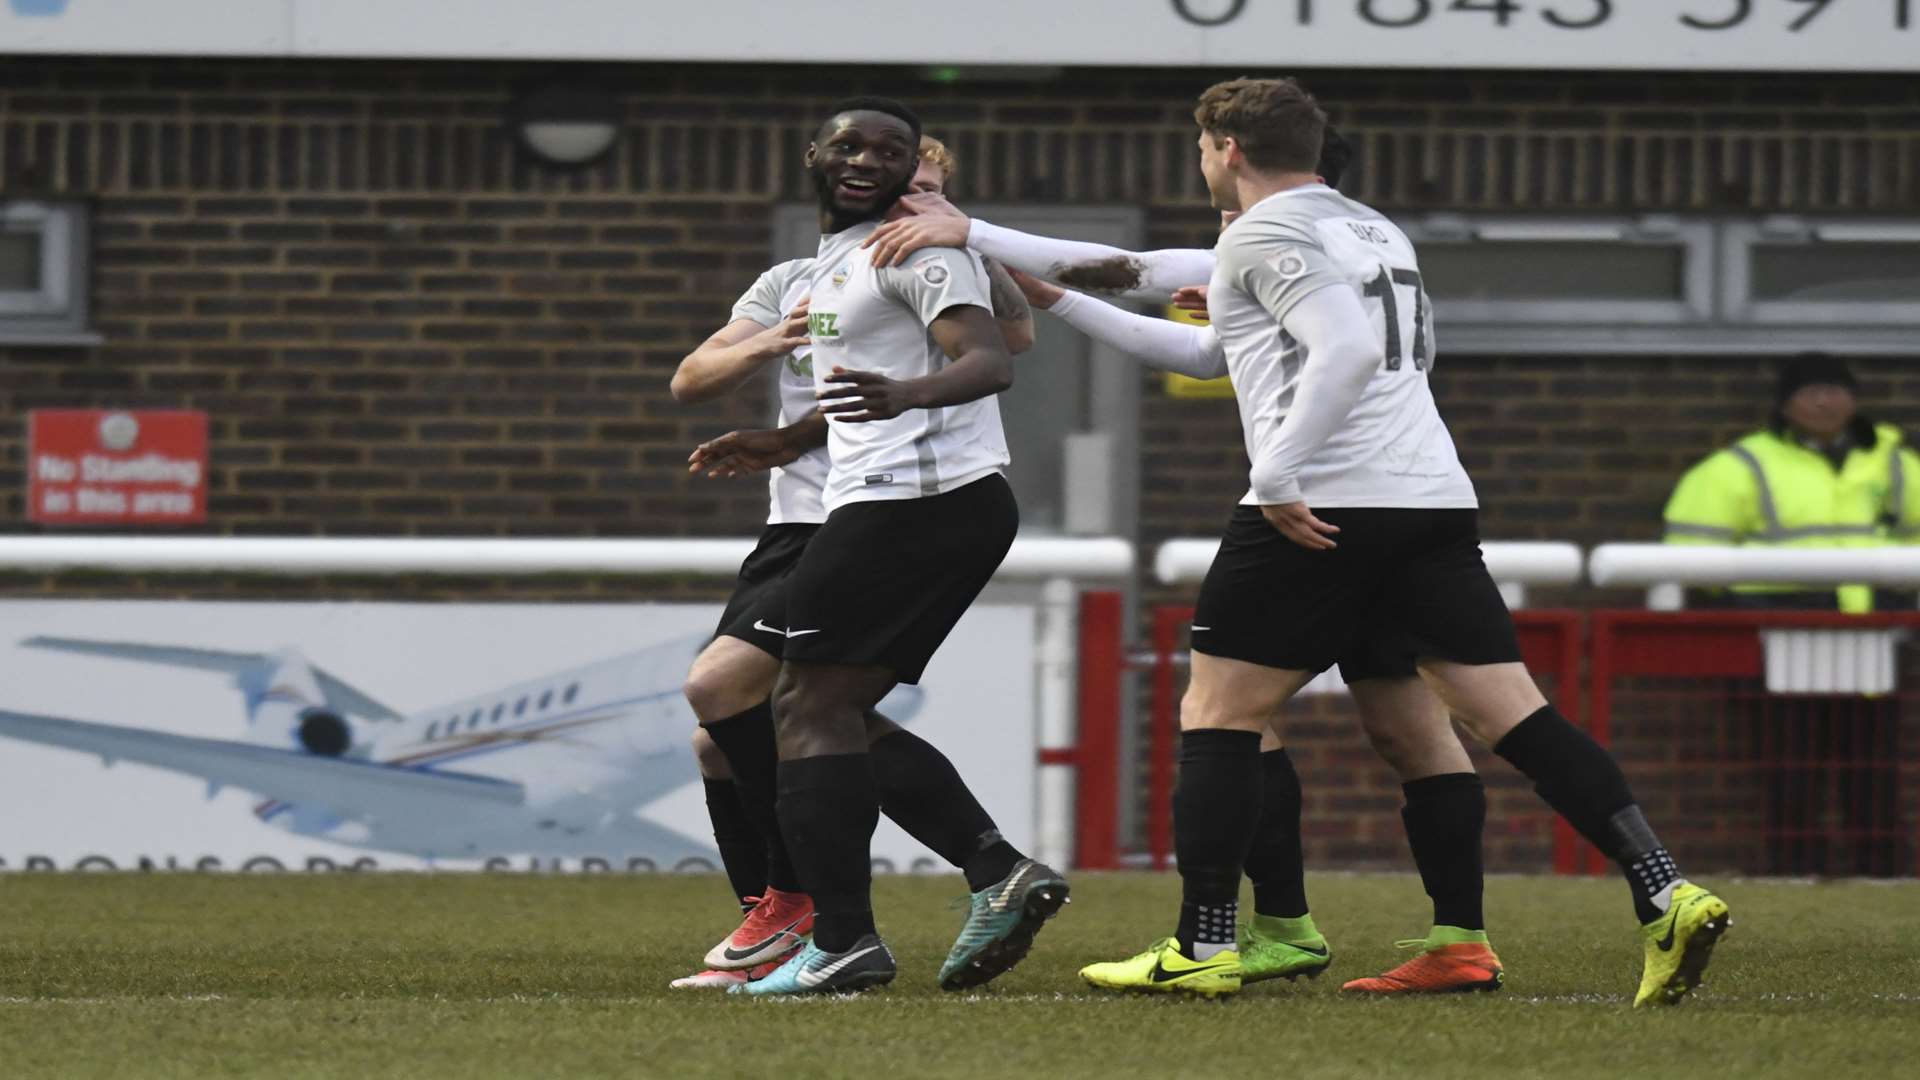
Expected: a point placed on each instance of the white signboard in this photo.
(1256, 35)
(187, 735)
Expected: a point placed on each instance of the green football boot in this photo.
(1275, 948)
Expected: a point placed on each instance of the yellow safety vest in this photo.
(1770, 491)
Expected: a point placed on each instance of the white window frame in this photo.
(1693, 239)
(55, 313)
(1739, 241)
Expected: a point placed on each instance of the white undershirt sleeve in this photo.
(1342, 354)
(1158, 343)
(1137, 275)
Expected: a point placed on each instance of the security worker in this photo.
(1821, 475)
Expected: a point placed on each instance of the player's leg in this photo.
(1280, 941)
(828, 806)
(923, 793)
(1470, 657)
(1269, 616)
(722, 689)
(882, 597)
(1217, 801)
(743, 851)
(1444, 815)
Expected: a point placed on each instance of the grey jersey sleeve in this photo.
(1275, 263)
(936, 279)
(761, 301)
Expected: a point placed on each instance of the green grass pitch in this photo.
(474, 976)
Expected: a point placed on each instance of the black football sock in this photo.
(828, 808)
(1274, 862)
(1445, 815)
(924, 795)
(1216, 807)
(743, 853)
(747, 741)
(1582, 782)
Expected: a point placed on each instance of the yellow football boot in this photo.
(1163, 970)
(1679, 944)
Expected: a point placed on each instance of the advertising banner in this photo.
(265, 736)
(1255, 35)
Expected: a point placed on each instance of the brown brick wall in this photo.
(400, 326)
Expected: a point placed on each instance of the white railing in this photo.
(1514, 564)
(1057, 563)
(1030, 559)
(1665, 569)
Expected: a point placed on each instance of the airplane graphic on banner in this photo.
(560, 765)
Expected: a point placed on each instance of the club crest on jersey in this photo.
(800, 364)
(1288, 264)
(840, 275)
(932, 271)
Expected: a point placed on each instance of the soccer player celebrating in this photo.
(915, 475)
(919, 788)
(1446, 803)
(1360, 516)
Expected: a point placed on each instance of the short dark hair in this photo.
(1336, 153)
(1276, 122)
(872, 103)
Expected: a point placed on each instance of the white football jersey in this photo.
(1393, 450)
(867, 318)
(794, 491)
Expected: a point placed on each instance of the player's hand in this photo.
(858, 397)
(743, 453)
(1298, 524)
(786, 335)
(915, 222)
(1192, 298)
(1041, 294)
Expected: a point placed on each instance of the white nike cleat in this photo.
(712, 979)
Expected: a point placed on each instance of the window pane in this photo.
(20, 262)
(1562, 270)
(1836, 272)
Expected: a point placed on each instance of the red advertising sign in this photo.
(109, 467)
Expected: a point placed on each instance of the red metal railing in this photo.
(1735, 777)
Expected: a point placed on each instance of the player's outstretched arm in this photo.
(1158, 343)
(741, 453)
(730, 357)
(929, 220)
(980, 367)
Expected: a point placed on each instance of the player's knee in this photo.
(1394, 746)
(706, 753)
(714, 694)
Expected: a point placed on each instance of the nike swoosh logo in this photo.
(1673, 923)
(760, 624)
(1321, 951)
(1160, 974)
(815, 978)
(742, 954)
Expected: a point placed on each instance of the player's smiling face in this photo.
(1219, 176)
(862, 162)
